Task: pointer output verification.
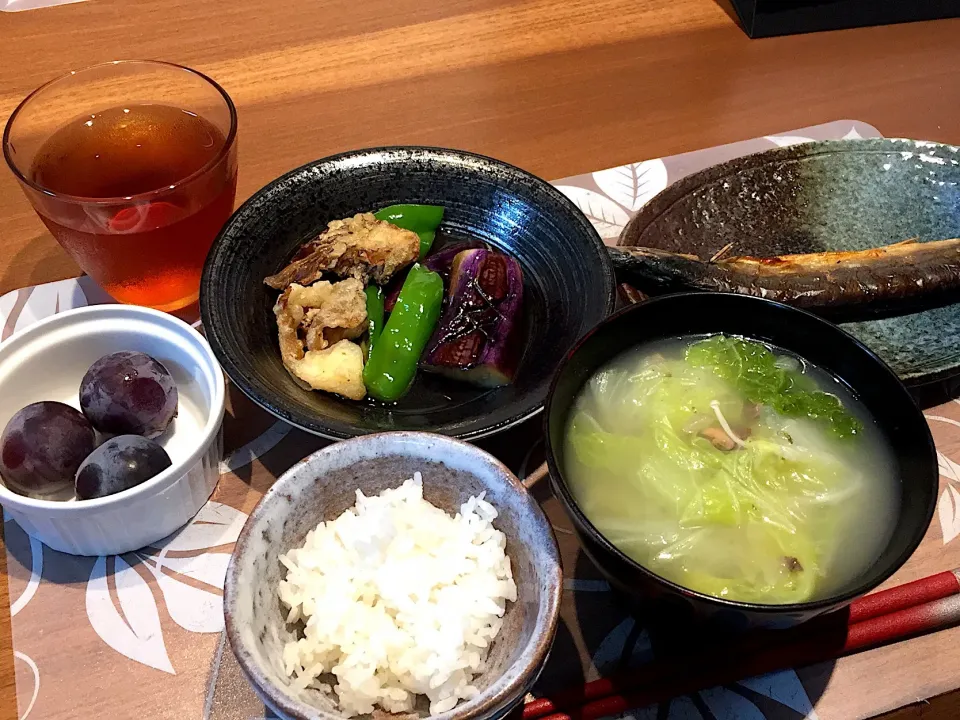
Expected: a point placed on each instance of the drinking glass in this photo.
(125, 201)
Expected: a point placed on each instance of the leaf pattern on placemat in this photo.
(633, 185)
(948, 507)
(133, 629)
(208, 568)
(215, 524)
(728, 705)
(741, 701)
(615, 652)
(683, 709)
(948, 468)
(606, 216)
(628, 645)
(852, 135)
(260, 445)
(35, 672)
(36, 569)
(948, 510)
(22, 308)
(11, 306)
(196, 609)
(190, 582)
(784, 687)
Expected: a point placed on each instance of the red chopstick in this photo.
(916, 608)
(924, 590)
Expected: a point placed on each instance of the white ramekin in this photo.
(47, 360)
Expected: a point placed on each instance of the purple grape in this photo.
(41, 448)
(119, 464)
(129, 393)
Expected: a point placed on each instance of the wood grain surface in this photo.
(557, 87)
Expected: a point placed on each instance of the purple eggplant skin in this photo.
(440, 262)
(478, 340)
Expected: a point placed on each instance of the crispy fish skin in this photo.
(881, 282)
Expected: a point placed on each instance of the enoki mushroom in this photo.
(723, 423)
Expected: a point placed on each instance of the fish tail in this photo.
(659, 271)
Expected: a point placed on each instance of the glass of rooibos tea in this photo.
(133, 167)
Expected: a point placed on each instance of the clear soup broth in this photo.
(733, 468)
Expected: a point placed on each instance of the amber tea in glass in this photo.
(137, 184)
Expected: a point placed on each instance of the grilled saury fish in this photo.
(893, 280)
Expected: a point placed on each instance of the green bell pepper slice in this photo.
(421, 219)
(395, 355)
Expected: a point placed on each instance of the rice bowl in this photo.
(319, 490)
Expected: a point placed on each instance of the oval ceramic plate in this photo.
(814, 197)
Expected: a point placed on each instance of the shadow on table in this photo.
(520, 448)
(727, 7)
(255, 441)
(936, 393)
(26, 556)
(293, 448)
(670, 659)
(38, 261)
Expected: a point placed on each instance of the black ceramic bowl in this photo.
(568, 282)
(808, 336)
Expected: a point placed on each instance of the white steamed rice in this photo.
(399, 599)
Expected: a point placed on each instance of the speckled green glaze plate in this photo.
(832, 195)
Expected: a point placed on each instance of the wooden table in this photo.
(555, 87)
